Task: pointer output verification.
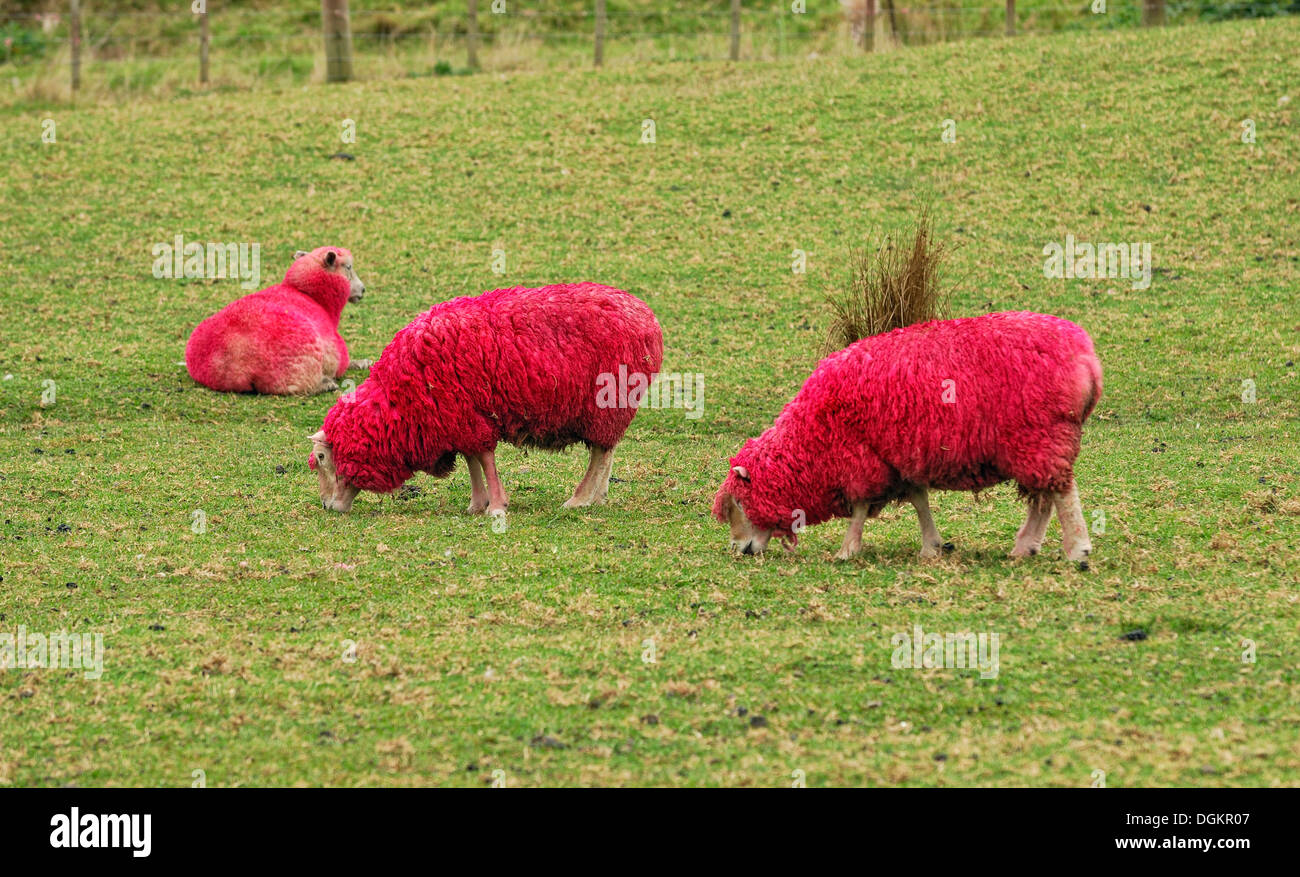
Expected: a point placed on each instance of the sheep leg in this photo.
(1029, 540)
(326, 385)
(931, 542)
(1074, 532)
(478, 494)
(853, 536)
(585, 493)
(497, 499)
(602, 477)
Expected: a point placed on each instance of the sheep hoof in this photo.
(327, 385)
(949, 548)
(844, 554)
(476, 508)
(574, 503)
(929, 552)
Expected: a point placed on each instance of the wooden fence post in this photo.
(204, 39)
(735, 30)
(74, 33)
(338, 40)
(1153, 12)
(600, 32)
(1011, 18)
(471, 38)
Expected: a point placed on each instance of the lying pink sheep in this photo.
(950, 405)
(523, 366)
(283, 340)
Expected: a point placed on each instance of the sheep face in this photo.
(356, 289)
(745, 537)
(335, 493)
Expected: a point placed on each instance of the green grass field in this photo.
(410, 644)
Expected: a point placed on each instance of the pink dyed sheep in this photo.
(283, 340)
(523, 366)
(950, 405)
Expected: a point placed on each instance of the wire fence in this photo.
(224, 38)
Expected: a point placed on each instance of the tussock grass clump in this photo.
(896, 284)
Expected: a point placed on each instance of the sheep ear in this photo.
(318, 438)
(298, 255)
(741, 472)
(330, 257)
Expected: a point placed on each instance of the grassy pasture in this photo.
(149, 49)
(518, 656)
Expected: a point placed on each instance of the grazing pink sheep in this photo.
(950, 405)
(523, 366)
(283, 340)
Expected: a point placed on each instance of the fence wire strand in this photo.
(762, 29)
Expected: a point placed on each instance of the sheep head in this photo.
(335, 492)
(745, 537)
(330, 260)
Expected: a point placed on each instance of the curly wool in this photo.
(516, 365)
(951, 404)
(281, 340)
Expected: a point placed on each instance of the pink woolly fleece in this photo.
(516, 365)
(280, 340)
(872, 419)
